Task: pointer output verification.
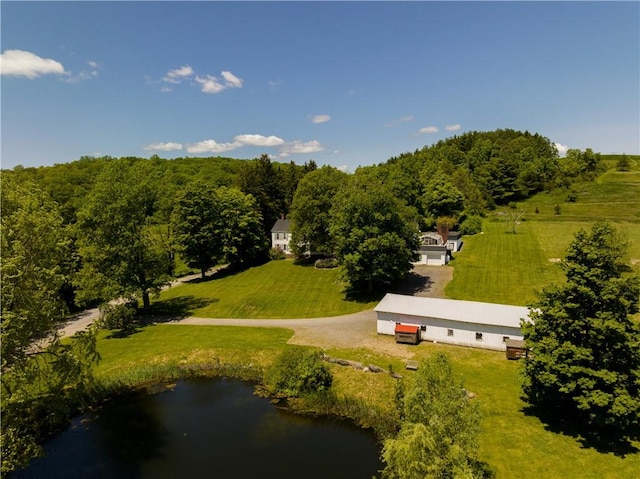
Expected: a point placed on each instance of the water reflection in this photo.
(205, 429)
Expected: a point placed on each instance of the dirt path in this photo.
(356, 330)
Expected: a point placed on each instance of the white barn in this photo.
(464, 323)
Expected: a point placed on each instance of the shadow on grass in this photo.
(609, 441)
(173, 309)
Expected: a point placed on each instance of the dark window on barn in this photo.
(423, 328)
(449, 332)
(478, 336)
(505, 339)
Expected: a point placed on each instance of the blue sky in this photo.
(345, 84)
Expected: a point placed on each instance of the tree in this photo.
(585, 347)
(623, 163)
(310, 210)
(195, 227)
(439, 430)
(441, 198)
(375, 235)
(240, 226)
(121, 254)
(265, 182)
(38, 372)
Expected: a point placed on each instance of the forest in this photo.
(97, 229)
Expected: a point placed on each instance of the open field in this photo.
(501, 267)
(513, 443)
(278, 289)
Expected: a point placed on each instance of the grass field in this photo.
(278, 289)
(512, 443)
(500, 267)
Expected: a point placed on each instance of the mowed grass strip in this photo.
(501, 267)
(179, 343)
(278, 289)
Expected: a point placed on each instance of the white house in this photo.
(281, 235)
(465, 323)
(433, 255)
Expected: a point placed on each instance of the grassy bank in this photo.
(278, 289)
(512, 442)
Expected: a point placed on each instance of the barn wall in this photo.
(464, 334)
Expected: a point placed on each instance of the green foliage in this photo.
(118, 316)
(441, 198)
(440, 426)
(121, 256)
(471, 225)
(375, 234)
(623, 163)
(212, 226)
(326, 263)
(195, 227)
(310, 210)
(240, 228)
(585, 361)
(297, 371)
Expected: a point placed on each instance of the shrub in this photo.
(571, 197)
(275, 254)
(471, 225)
(297, 371)
(326, 263)
(118, 316)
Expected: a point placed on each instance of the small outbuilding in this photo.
(516, 349)
(465, 323)
(406, 333)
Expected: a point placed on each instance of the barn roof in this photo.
(463, 311)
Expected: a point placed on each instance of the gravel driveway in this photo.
(356, 330)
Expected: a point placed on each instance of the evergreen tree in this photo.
(585, 346)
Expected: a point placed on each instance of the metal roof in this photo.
(463, 311)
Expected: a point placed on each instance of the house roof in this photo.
(433, 248)
(281, 226)
(463, 311)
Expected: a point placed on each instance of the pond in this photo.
(205, 429)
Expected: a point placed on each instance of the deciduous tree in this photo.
(310, 210)
(121, 255)
(585, 346)
(375, 235)
(439, 431)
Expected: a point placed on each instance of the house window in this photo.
(478, 336)
(423, 327)
(505, 339)
(277, 236)
(449, 332)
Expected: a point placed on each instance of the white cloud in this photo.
(275, 84)
(428, 129)
(211, 146)
(231, 80)
(179, 74)
(259, 140)
(210, 84)
(297, 146)
(27, 64)
(562, 149)
(92, 64)
(402, 119)
(455, 127)
(167, 146)
(321, 118)
(344, 168)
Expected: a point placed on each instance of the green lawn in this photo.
(278, 289)
(512, 443)
(499, 267)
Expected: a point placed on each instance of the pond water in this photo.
(205, 429)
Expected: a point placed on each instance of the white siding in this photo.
(504, 323)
